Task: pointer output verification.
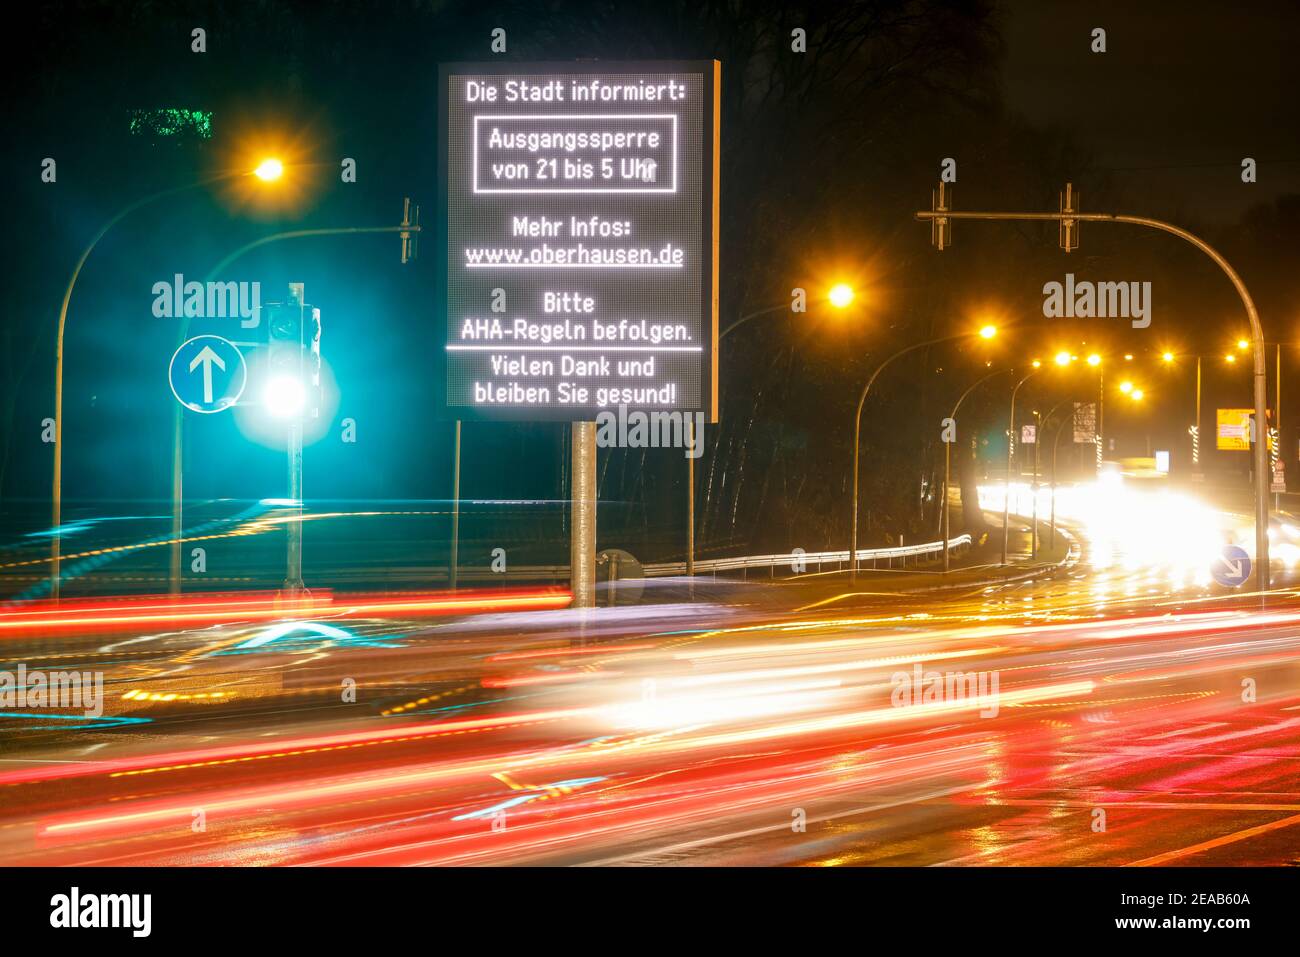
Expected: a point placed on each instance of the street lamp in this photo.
(841, 295)
(1011, 437)
(857, 429)
(947, 458)
(1056, 445)
(269, 170)
(56, 498)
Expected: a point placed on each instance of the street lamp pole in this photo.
(1038, 441)
(692, 438)
(1011, 437)
(293, 585)
(56, 501)
(947, 460)
(1277, 496)
(1070, 218)
(857, 441)
(1055, 446)
(454, 564)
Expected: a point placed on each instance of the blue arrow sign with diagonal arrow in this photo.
(208, 374)
(1232, 567)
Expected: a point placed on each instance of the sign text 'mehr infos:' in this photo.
(580, 260)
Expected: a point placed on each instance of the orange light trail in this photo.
(45, 617)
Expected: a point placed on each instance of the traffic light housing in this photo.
(292, 365)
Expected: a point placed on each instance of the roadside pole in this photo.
(1038, 441)
(455, 512)
(293, 586)
(582, 542)
(691, 439)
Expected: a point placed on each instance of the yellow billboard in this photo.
(1233, 432)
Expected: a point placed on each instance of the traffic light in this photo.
(1069, 227)
(292, 368)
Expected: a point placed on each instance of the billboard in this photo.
(579, 254)
(1085, 422)
(1233, 429)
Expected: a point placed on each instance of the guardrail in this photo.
(808, 562)
(805, 561)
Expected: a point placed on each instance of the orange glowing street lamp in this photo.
(269, 170)
(841, 295)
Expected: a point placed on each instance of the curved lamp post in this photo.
(1011, 433)
(263, 172)
(947, 459)
(987, 332)
(839, 296)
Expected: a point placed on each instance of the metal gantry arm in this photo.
(1071, 217)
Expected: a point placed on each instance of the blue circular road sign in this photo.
(208, 374)
(1232, 567)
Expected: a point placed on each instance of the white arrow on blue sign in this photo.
(208, 374)
(1232, 567)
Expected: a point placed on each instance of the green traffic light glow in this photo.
(172, 123)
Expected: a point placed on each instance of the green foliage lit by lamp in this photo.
(172, 124)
